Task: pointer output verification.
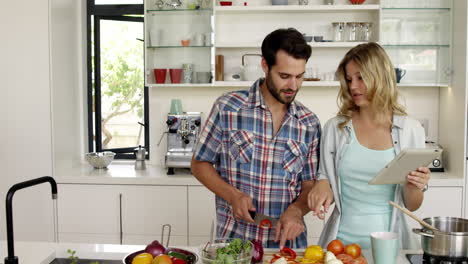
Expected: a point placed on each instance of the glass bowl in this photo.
(100, 160)
(209, 255)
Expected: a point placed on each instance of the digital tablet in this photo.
(406, 161)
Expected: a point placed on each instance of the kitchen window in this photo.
(117, 97)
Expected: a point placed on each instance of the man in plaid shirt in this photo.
(259, 149)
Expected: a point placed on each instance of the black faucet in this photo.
(12, 259)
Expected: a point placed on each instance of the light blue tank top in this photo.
(365, 208)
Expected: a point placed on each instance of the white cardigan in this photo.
(406, 133)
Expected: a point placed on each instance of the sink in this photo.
(85, 261)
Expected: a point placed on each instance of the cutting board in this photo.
(268, 254)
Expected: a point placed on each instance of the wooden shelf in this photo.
(297, 8)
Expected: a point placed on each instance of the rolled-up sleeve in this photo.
(309, 172)
(210, 137)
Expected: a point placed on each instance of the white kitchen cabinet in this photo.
(178, 38)
(417, 37)
(145, 209)
(201, 215)
(121, 214)
(89, 213)
(439, 201)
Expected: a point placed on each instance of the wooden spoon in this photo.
(404, 210)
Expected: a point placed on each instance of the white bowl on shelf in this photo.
(100, 160)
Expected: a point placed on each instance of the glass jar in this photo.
(338, 31)
(365, 31)
(352, 29)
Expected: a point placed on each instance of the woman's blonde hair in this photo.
(379, 77)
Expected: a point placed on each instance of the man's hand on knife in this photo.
(241, 204)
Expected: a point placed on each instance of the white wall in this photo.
(453, 99)
(38, 106)
(25, 136)
(68, 48)
(422, 103)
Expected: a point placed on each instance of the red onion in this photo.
(258, 251)
(155, 248)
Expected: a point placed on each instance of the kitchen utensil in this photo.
(140, 154)
(232, 77)
(203, 77)
(258, 218)
(155, 37)
(318, 38)
(279, 2)
(352, 30)
(192, 258)
(438, 164)
(338, 31)
(219, 74)
(174, 3)
(160, 75)
(251, 72)
(188, 72)
(357, 2)
(199, 39)
(182, 133)
(176, 107)
(450, 239)
(159, 4)
(208, 252)
(308, 38)
(404, 210)
(366, 31)
(385, 246)
(100, 160)
(176, 75)
(185, 42)
(399, 72)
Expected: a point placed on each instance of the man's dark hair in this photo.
(290, 40)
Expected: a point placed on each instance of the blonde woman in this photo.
(370, 129)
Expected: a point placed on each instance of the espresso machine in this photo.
(182, 134)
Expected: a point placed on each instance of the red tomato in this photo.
(354, 250)
(345, 258)
(359, 260)
(265, 223)
(336, 247)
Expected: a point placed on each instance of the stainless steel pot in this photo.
(450, 239)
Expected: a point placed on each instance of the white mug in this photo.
(155, 37)
(200, 39)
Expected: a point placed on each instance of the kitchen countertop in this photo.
(44, 253)
(123, 172)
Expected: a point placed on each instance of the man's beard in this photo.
(276, 93)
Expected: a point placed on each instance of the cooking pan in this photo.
(450, 239)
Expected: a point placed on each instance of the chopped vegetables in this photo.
(266, 223)
(232, 252)
(288, 252)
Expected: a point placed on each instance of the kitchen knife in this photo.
(258, 218)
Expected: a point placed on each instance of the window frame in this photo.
(116, 13)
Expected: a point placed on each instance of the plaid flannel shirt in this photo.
(238, 138)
